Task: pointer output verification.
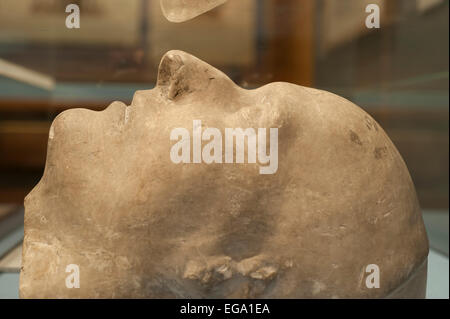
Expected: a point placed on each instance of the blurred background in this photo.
(398, 73)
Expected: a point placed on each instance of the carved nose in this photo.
(181, 75)
(172, 76)
(170, 63)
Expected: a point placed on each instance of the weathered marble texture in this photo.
(138, 225)
(184, 10)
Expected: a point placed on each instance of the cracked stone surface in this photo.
(184, 10)
(139, 226)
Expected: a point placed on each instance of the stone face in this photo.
(183, 10)
(140, 226)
